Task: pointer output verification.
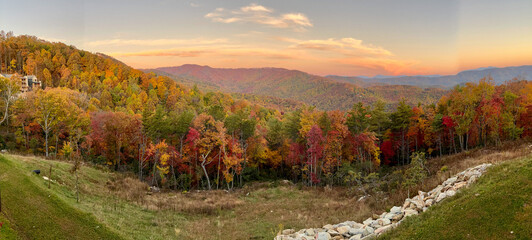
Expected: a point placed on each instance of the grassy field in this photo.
(114, 205)
(121, 203)
(36, 213)
(6, 231)
(498, 206)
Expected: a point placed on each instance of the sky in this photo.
(335, 37)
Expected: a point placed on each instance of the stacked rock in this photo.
(374, 226)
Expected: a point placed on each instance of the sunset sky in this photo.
(351, 37)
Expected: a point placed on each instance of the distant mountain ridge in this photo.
(322, 92)
(499, 75)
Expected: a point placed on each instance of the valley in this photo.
(321, 92)
(283, 120)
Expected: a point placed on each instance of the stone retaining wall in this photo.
(371, 228)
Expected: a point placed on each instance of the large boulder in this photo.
(288, 231)
(323, 236)
(395, 209)
(419, 203)
(459, 185)
(406, 204)
(429, 202)
(310, 232)
(328, 227)
(356, 231)
(410, 212)
(368, 237)
(389, 215)
(450, 181)
(384, 221)
(440, 197)
(450, 193)
(357, 225)
(368, 222)
(383, 229)
(356, 237)
(343, 229)
(398, 217)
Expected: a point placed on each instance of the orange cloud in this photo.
(345, 46)
(389, 66)
(161, 53)
(226, 51)
(156, 42)
(312, 55)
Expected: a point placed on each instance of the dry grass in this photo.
(265, 208)
(259, 210)
(128, 188)
(198, 202)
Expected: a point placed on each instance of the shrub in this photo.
(416, 172)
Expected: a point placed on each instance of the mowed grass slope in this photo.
(33, 212)
(6, 231)
(498, 206)
(104, 211)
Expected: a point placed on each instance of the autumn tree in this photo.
(211, 136)
(49, 112)
(9, 87)
(241, 127)
(315, 152)
(400, 122)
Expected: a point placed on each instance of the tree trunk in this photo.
(175, 178)
(56, 144)
(439, 141)
(205, 171)
(46, 141)
(403, 146)
(218, 171)
(466, 140)
(461, 139)
(140, 163)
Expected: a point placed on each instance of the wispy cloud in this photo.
(164, 53)
(331, 53)
(351, 52)
(155, 42)
(347, 46)
(203, 51)
(383, 65)
(259, 14)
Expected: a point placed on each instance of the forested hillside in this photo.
(94, 108)
(324, 93)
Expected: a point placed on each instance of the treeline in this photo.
(97, 109)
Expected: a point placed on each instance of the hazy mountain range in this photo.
(322, 92)
(499, 76)
(332, 92)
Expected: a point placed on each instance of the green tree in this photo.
(400, 122)
(358, 118)
(416, 171)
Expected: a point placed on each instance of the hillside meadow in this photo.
(116, 205)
